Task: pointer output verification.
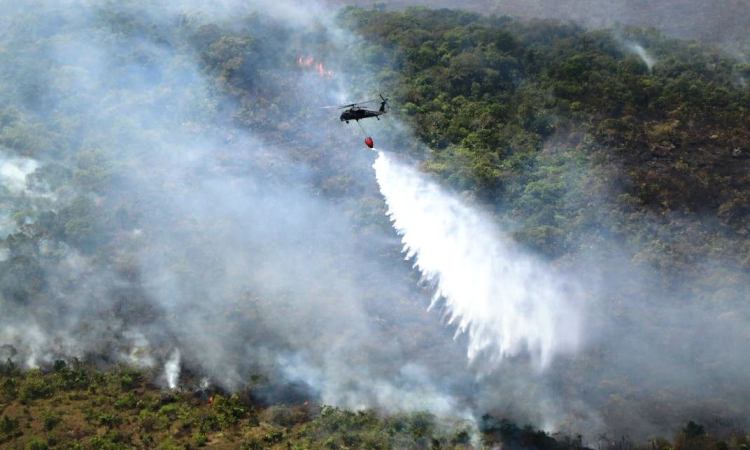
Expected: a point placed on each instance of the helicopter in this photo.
(355, 112)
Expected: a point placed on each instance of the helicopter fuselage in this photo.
(359, 114)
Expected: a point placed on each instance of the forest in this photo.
(723, 22)
(173, 195)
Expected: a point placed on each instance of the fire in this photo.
(323, 72)
(309, 63)
(305, 62)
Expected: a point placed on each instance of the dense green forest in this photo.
(145, 152)
(722, 22)
(572, 136)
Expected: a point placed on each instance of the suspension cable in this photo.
(363, 128)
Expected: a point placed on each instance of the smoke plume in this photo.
(642, 54)
(172, 370)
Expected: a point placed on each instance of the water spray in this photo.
(507, 302)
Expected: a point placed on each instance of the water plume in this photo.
(508, 302)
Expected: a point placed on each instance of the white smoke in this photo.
(13, 172)
(507, 301)
(641, 52)
(139, 354)
(13, 177)
(172, 370)
(411, 388)
(20, 194)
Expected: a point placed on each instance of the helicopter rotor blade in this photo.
(358, 103)
(350, 104)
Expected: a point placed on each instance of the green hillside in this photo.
(75, 408)
(570, 136)
(180, 186)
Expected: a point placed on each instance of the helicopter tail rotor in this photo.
(383, 103)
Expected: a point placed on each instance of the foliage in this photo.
(169, 425)
(8, 425)
(50, 419)
(527, 116)
(35, 386)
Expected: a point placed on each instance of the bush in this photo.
(50, 419)
(107, 442)
(252, 444)
(421, 424)
(200, 438)
(273, 437)
(34, 386)
(130, 379)
(284, 416)
(108, 419)
(8, 389)
(8, 425)
(68, 379)
(9, 368)
(128, 401)
(168, 445)
(149, 421)
(230, 411)
(36, 443)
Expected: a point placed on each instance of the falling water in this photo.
(508, 302)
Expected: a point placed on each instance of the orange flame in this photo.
(309, 63)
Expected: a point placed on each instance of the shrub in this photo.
(200, 438)
(34, 386)
(8, 425)
(230, 411)
(283, 415)
(50, 419)
(8, 389)
(148, 420)
(106, 442)
(68, 379)
(108, 419)
(37, 443)
(128, 401)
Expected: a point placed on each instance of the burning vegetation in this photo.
(309, 63)
(74, 407)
